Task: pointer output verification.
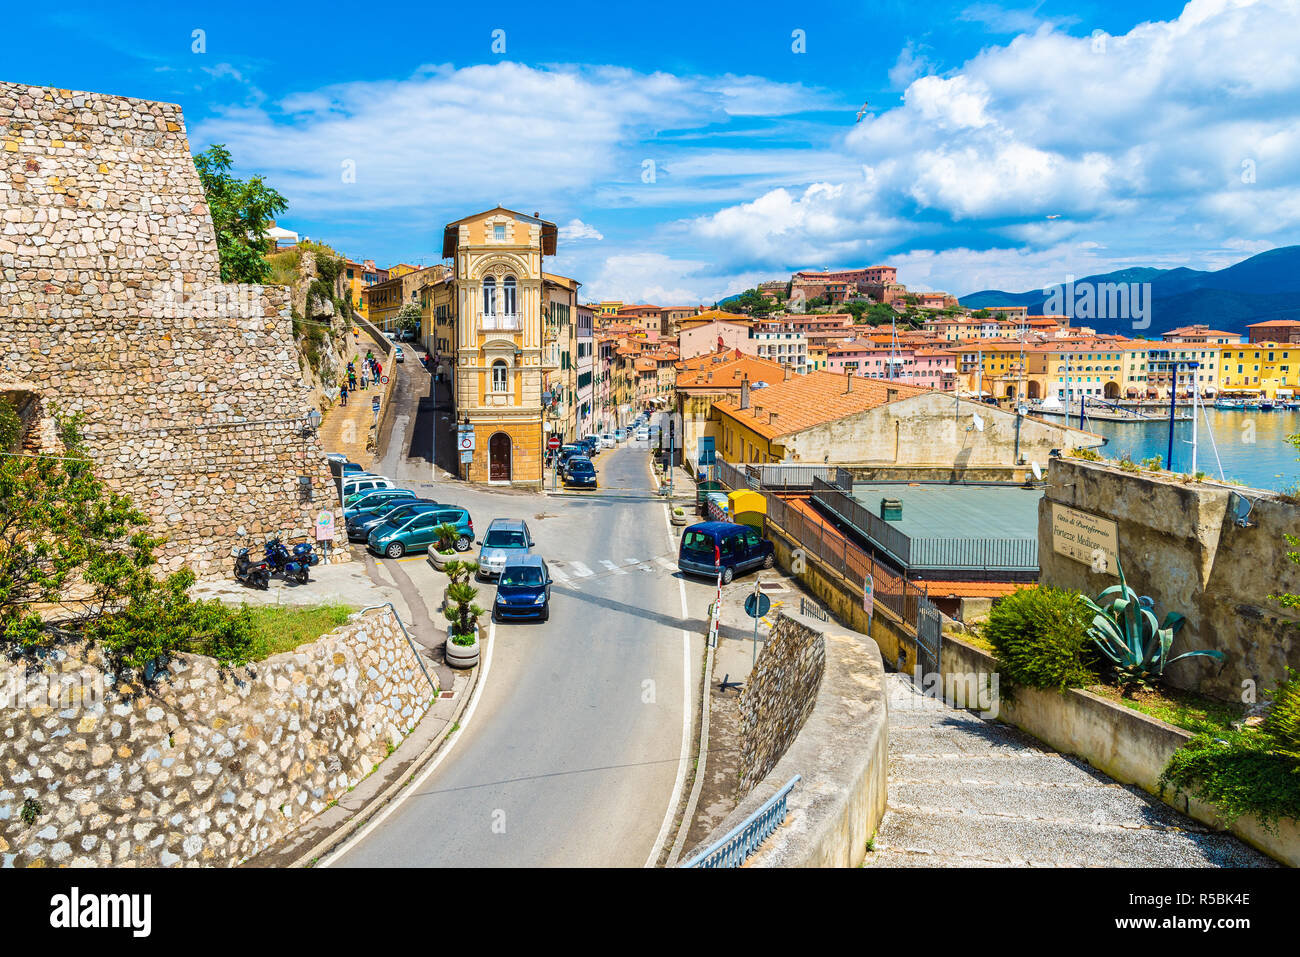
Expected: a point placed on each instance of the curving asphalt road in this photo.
(575, 748)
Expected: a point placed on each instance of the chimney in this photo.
(771, 418)
(744, 393)
(891, 395)
(787, 373)
(848, 380)
(758, 411)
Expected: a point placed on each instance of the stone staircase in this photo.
(965, 792)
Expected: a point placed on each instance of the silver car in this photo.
(506, 537)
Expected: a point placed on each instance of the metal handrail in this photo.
(736, 846)
(418, 660)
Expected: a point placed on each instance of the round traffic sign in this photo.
(467, 442)
(756, 606)
(383, 380)
(553, 442)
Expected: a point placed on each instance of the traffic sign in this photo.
(465, 442)
(758, 605)
(553, 442)
(383, 380)
(466, 457)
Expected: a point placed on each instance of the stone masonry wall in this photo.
(1179, 544)
(207, 768)
(779, 696)
(111, 305)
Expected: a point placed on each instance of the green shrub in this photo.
(1282, 724)
(11, 425)
(1040, 638)
(1240, 775)
(1253, 771)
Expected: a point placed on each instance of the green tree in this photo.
(242, 211)
(67, 542)
(408, 318)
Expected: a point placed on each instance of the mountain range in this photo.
(1265, 286)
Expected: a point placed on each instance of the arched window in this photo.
(508, 296)
(499, 376)
(489, 296)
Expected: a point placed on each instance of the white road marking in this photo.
(612, 567)
(688, 720)
(581, 570)
(486, 664)
(666, 563)
(559, 574)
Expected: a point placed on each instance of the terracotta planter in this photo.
(462, 656)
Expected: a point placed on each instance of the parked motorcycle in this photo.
(303, 552)
(249, 572)
(285, 564)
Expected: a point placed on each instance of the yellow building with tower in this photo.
(490, 317)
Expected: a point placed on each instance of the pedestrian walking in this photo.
(352, 379)
(343, 394)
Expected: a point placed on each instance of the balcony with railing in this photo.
(499, 320)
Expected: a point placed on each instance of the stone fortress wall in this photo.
(111, 305)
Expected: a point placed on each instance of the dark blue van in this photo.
(739, 548)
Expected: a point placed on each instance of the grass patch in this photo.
(1183, 709)
(280, 628)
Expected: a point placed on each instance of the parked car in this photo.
(505, 537)
(354, 486)
(607, 440)
(398, 534)
(399, 355)
(363, 523)
(619, 435)
(567, 452)
(341, 467)
(591, 444)
(579, 473)
(737, 548)
(524, 590)
(643, 434)
(375, 500)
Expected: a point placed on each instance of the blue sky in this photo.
(688, 151)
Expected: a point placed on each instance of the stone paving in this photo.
(965, 792)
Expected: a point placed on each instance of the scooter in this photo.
(249, 572)
(278, 557)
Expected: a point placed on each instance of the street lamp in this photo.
(311, 422)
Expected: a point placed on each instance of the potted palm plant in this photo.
(444, 545)
(462, 615)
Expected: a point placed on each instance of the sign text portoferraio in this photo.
(1085, 537)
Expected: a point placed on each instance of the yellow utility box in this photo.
(747, 507)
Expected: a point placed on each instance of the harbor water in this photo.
(1252, 445)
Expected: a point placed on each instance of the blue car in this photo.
(524, 590)
(579, 473)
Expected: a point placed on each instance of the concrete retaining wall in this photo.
(206, 768)
(841, 752)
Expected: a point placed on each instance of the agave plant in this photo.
(1127, 632)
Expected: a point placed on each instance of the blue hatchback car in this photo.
(524, 589)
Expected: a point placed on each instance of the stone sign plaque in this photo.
(1085, 537)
